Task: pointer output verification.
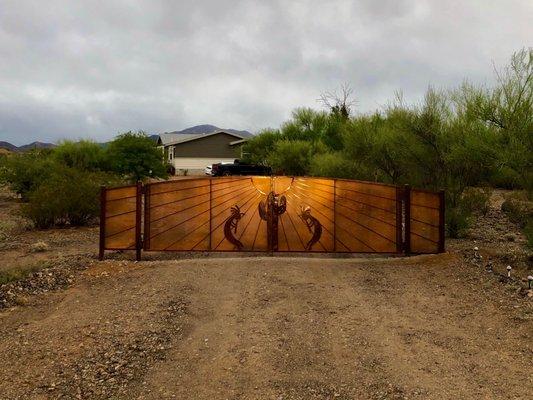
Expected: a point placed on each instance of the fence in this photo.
(271, 214)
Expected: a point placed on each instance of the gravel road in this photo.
(427, 327)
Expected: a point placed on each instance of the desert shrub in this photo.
(84, 155)
(258, 148)
(476, 200)
(291, 157)
(25, 171)
(506, 178)
(67, 196)
(520, 211)
(135, 156)
(459, 212)
(333, 165)
(457, 221)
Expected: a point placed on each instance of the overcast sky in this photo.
(72, 69)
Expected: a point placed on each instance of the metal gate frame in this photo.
(135, 223)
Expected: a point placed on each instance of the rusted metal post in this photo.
(442, 231)
(146, 233)
(334, 215)
(138, 217)
(102, 222)
(407, 216)
(399, 224)
(211, 212)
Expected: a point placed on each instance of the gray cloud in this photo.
(94, 68)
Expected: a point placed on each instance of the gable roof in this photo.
(167, 139)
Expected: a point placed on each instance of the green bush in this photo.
(84, 155)
(457, 222)
(332, 165)
(291, 157)
(520, 211)
(476, 200)
(135, 156)
(506, 178)
(67, 196)
(23, 172)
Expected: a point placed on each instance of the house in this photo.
(194, 151)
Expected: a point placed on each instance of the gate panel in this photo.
(366, 217)
(178, 215)
(234, 202)
(119, 218)
(427, 222)
(308, 222)
(274, 214)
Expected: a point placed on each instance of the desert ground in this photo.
(184, 326)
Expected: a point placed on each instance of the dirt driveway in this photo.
(425, 327)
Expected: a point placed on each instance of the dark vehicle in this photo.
(238, 168)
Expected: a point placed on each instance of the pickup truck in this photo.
(239, 168)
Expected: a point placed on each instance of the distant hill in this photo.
(205, 129)
(34, 145)
(8, 146)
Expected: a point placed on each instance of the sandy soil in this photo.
(425, 327)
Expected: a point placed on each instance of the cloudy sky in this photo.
(72, 69)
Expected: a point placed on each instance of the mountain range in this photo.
(205, 129)
(26, 147)
(198, 129)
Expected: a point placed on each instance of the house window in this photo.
(171, 153)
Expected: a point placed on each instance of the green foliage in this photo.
(472, 201)
(24, 172)
(67, 196)
(471, 136)
(61, 186)
(520, 211)
(135, 156)
(476, 200)
(291, 157)
(15, 274)
(332, 164)
(457, 221)
(83, 155)
(258, 148)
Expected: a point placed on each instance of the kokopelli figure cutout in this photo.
(313, 225)
(230, 227)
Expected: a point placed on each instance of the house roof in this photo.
(167, 139)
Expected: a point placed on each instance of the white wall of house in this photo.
(196, 163)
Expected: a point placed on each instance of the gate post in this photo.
(442, 231)
(407, 216)
(138, 217)
(399, 220)
(146, 233)
(102, 222)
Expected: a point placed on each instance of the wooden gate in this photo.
(272, 214)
